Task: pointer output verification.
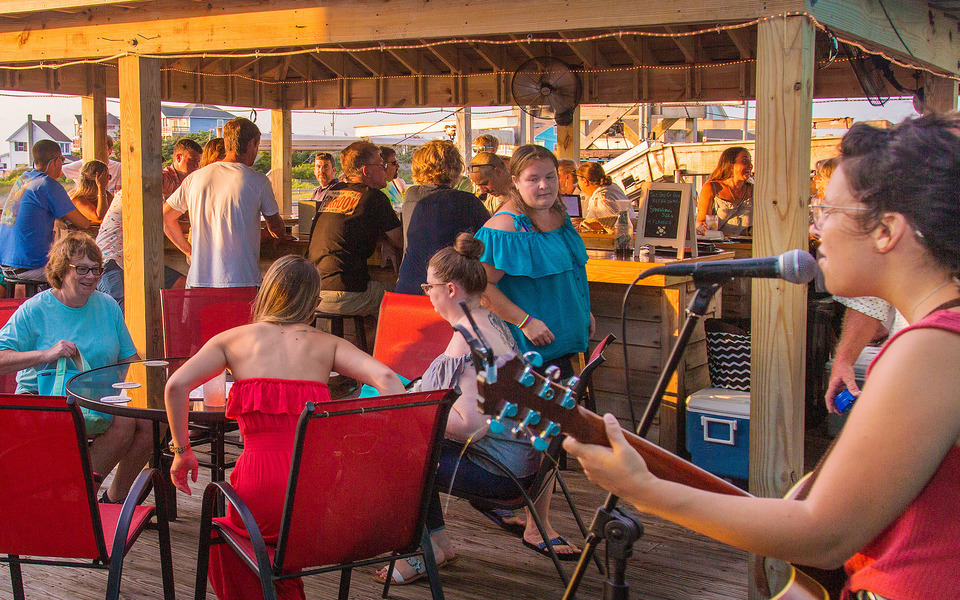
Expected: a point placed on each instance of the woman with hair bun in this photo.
(604, 198)
(279, 363)
(885, 499)
(454, 275)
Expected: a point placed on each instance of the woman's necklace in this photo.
(927, 297)
(738, 196)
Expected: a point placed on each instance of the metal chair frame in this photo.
(269, 572)
(111, 561)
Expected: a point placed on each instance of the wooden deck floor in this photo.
(669, 563)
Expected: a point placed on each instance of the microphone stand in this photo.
(619, 528)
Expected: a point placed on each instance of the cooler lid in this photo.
(721, 401)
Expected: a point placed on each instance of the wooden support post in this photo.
(940, 93)
(568, 139)
(142, 202)
(93, 117)
(465, 133)
(281, 155)
(785, 51)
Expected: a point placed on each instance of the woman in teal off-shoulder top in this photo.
(536, 263)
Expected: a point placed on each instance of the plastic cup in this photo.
(215, 390)
(712, 222)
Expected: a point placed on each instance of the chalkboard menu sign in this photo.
(667, 217)
(662, 210)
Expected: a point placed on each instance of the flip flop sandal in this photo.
(541, 548)
(498, 515)
(419, 570)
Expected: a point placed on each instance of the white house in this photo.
(113, 129)
(28, 134)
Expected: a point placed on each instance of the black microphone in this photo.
(795, 266)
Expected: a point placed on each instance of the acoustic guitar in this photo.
(543, 408)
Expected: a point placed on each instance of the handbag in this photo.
(53, 382)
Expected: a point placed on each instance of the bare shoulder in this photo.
(501, 222)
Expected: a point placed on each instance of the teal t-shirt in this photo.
(545, 274)
(97, 329)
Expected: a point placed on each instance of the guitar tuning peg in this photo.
(508, 411)
(490, 373)
(533, 358)
(567, 400)
(540, 442)
(545, 392)
(552, 372)
(531, 418)
(526, 377)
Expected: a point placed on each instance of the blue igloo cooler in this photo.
(718, 431)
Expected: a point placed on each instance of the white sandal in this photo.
(419, 570)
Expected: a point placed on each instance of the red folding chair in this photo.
(8, 306)
(410, 334)
(351, 495)
(192, 316)
(50, 514)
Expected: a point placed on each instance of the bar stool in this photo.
(30, 286)
(336, 326)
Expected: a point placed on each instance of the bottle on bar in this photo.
(623, 236)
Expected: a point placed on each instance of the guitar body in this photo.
(519, 389)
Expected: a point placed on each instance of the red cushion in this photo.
(110, 515)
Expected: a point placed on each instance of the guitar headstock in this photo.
(541, 405)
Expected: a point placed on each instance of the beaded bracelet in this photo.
(524, 321)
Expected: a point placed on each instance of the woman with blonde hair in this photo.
(213, 151)
(279, 363)
(90, 196)
(433, 212)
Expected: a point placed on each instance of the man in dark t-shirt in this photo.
(352, 219)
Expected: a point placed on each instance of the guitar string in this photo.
(456, 467)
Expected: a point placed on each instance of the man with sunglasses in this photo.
(354, 216)
(26, 224)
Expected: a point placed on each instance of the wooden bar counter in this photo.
(655, 314)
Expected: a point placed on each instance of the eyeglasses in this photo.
(83, 270)
(393, 163)
(819, 212)
(426, 286)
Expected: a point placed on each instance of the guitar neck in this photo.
(590, 428)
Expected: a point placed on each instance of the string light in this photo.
(382, 47)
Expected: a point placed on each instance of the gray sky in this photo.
(14, 109)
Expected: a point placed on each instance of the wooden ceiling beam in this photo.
(451, 57)
(369, 60)
(67, 6)
(742, 41)
(414, 61)
(587, 53)
(930, 35)
(685, 43)
(492, 55)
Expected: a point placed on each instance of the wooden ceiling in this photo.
(376, 53)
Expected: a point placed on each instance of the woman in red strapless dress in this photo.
(279, 363)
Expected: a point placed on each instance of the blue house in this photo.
(192, 118)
